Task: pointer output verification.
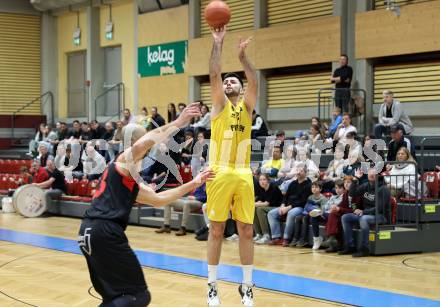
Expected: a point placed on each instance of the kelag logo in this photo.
(163, 59)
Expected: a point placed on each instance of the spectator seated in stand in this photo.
(94, 164)
(186, 151)
(204, 123)
(334, 170)
(337, 206)
(391, 112)
(127, 118)
(55, 185)
(161, 173)
(272, 166)
(97, 131)
(293, 205)
(397, 141)
(343, 129)
(39, 137)
(86, 134)
(353, 164)
(156, 119)
(336, 121)
(315, 135)
(43, 156)
(70, 166)
(194, 201)
(38, 172)
(312, 169)
(288, 171)
(367, 216)
(401, 177)
(25, 176)
(199, 154)
(315, 202)
(267, 197)
(115, 144)
(75, 132)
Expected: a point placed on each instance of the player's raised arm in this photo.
(147, 196)
(137, 152)
(215, 72)
(250, 96)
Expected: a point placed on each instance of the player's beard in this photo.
(231, 93)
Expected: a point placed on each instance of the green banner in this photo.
(163, 59)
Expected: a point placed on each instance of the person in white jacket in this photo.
(391, 112)
(401, 179)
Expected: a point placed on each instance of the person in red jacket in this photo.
(39, 173)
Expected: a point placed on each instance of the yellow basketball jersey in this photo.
(230, 143)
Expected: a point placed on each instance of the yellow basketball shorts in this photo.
(232, 190)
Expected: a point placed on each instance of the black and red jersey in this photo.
(114, 197)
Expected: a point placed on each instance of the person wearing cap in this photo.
(391, 112)
(398, 140)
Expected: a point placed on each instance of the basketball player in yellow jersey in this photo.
(232, 190)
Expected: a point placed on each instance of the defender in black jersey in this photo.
(115, 271)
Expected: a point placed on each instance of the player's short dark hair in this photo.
(345, 56)
(233, 75)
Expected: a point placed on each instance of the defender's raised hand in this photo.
(191, 111)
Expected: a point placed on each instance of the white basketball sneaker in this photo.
(212, 295)
(247, 296)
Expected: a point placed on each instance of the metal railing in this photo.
(121, 99)
(429, 157)
(355, 106)
(405, 189)
(47, 94)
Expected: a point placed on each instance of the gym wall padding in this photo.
(20, 67)
(381, 4)
(298, 43)
(281, 11)
(296, 90)
(412, 82)
(381, 33)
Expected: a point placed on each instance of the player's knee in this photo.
(245, 230)
(216, 232)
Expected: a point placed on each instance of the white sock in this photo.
(247, 274)
(212, 273)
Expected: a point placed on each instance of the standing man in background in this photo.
(342, 77)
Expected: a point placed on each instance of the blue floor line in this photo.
(296, 285)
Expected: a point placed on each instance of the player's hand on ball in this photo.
(204, 176)
(191, 111)
(218, 33)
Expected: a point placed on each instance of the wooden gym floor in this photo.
(35, 273)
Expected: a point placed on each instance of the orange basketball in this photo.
(217, 14)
